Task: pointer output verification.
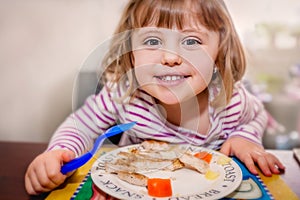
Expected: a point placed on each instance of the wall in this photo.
(44, 43)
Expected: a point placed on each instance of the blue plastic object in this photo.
(81, 160)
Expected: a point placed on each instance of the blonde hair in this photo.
(213, 14)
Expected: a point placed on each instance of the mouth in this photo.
(171, 79)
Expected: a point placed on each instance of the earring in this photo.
(215, 70)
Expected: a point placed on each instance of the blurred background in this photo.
(44, 73)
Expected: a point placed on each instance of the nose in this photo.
(171, 59)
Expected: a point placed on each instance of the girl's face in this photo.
(174, 65)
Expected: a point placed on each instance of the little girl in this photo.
(174, 67)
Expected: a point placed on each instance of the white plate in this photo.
(186, 183)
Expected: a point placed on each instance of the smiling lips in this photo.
(171, 79)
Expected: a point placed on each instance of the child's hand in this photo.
(250, 154)
(43, 174)
(100, 195)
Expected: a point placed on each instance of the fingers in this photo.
(36, 180)
(267, 163)
(248, 161)
(29, 181)
(264, 165)
(274, 164)
(43, 174)
(225, 149)
(67, 156)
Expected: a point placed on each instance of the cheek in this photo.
(144, 66)
(203, 66)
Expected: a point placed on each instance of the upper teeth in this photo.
(171, 78)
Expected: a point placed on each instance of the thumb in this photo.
(67, 156)
(225, 149)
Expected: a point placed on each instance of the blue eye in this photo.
(152, 42)
(190, 42)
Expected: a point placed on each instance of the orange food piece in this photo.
(204, 156)
(159, 187)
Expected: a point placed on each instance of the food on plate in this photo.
(192, 162)
(155, 145)
(211, 175)
(134, 164)
(133, 178)
(159, 187)
(223, 160)
(203, 155)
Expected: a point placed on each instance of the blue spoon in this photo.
(81, 160)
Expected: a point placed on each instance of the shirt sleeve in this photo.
(78, 132)
(253, 117)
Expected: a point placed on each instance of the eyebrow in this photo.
(202, 32)
(147, 31)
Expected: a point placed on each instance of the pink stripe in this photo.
(69, 137)
(144, 118)
(227, 109)
(71, 134)
(113, 104)
(98, 117)
(75, 131)
(145, 109)
(66, 145)
(103, 102)
(85, 124)
(136, 127)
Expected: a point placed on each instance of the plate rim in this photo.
(231, 189)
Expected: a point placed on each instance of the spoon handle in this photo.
(75, 163)
(81, 160)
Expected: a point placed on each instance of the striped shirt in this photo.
(244, 116)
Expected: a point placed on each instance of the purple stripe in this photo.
(259, 122)
(147, 110)
(144, 100)
(66, 145)
(233, 105)
(193, 136)
(230, 122)
(161, 136)
(145, 118)
(230, 128)
(255, 125)
(119, 91)
(75, 131)
(138, 106)
(140, 131)
(246, 138)
(84, 123)
(98, 117)
(71, 134)
(216, 124)
(255, 134)
(233, 114)
(88, 116)
(67, 142)
(228, 116)
(234, 94)
(144, 125)
(227, 109)
(103, 102)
